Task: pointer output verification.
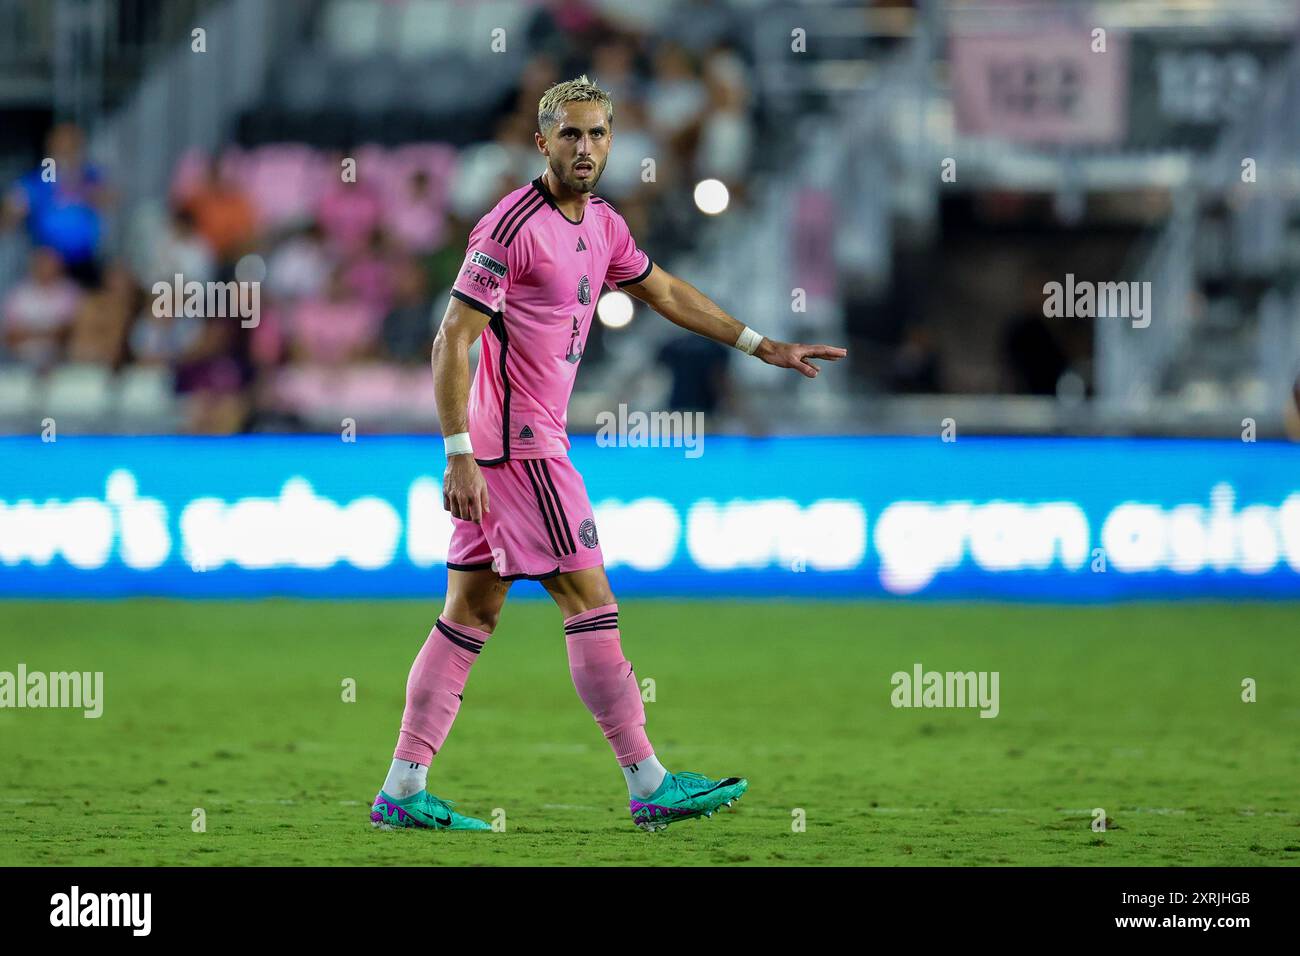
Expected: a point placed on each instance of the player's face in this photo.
(578, 146)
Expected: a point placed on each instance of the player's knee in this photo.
(593, 594)
(488, 618)
(483, 618)
(480, 615)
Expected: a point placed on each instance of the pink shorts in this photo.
(540, 523)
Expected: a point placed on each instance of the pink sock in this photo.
(433, 690)
(604, 680)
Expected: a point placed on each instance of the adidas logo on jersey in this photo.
(582, 246)
(525, 433)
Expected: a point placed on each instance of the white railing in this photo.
(188, 99)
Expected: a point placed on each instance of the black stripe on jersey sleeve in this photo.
(474, 304)
(649, 265)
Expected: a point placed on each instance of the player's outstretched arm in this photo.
(682, 304)
(464, 492)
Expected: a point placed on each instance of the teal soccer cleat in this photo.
(422, 811)
(683, 796)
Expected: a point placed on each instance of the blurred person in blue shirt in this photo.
(60, 204)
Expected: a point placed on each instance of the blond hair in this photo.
(580, 90)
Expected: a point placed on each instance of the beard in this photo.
(572, 182)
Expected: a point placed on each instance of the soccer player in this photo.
(519, 508)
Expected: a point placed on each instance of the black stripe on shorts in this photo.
(543, 507)
(564, 519)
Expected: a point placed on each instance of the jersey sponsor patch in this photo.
(487, 262)
(480, 279)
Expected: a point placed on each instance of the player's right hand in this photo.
(464, 492)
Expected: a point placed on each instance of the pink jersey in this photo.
(537, 274)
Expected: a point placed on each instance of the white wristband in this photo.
(748, 341)
(457, 444)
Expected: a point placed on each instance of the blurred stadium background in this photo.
(900, 178)
(1115, 166)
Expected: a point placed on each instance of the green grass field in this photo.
(236, 708)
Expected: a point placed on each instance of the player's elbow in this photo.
(449, 340)
(655, 298)
(665, 296)
(442, 347)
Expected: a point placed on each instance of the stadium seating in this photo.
(78, 394)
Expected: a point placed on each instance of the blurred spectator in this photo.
(632, 145)
(1291, 418)
(357, 273)
(370, 273)
(676, 98)
(100, 329)
(442, 267)
(39, 311)
(159, 338)
(698, 367)
(408, 326)
(1034, 355)
(300, 267)
(223, 215)
(727, 132)
(212, 381)
(914, 368)
(173, 247)
(490, 170)
(700, 24)
(60, 205)
(348, 213)
(613, 67)
(417, 219)
(564, 26)
(538, 75)
(334, 329)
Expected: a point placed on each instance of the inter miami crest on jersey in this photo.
(584, 290)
